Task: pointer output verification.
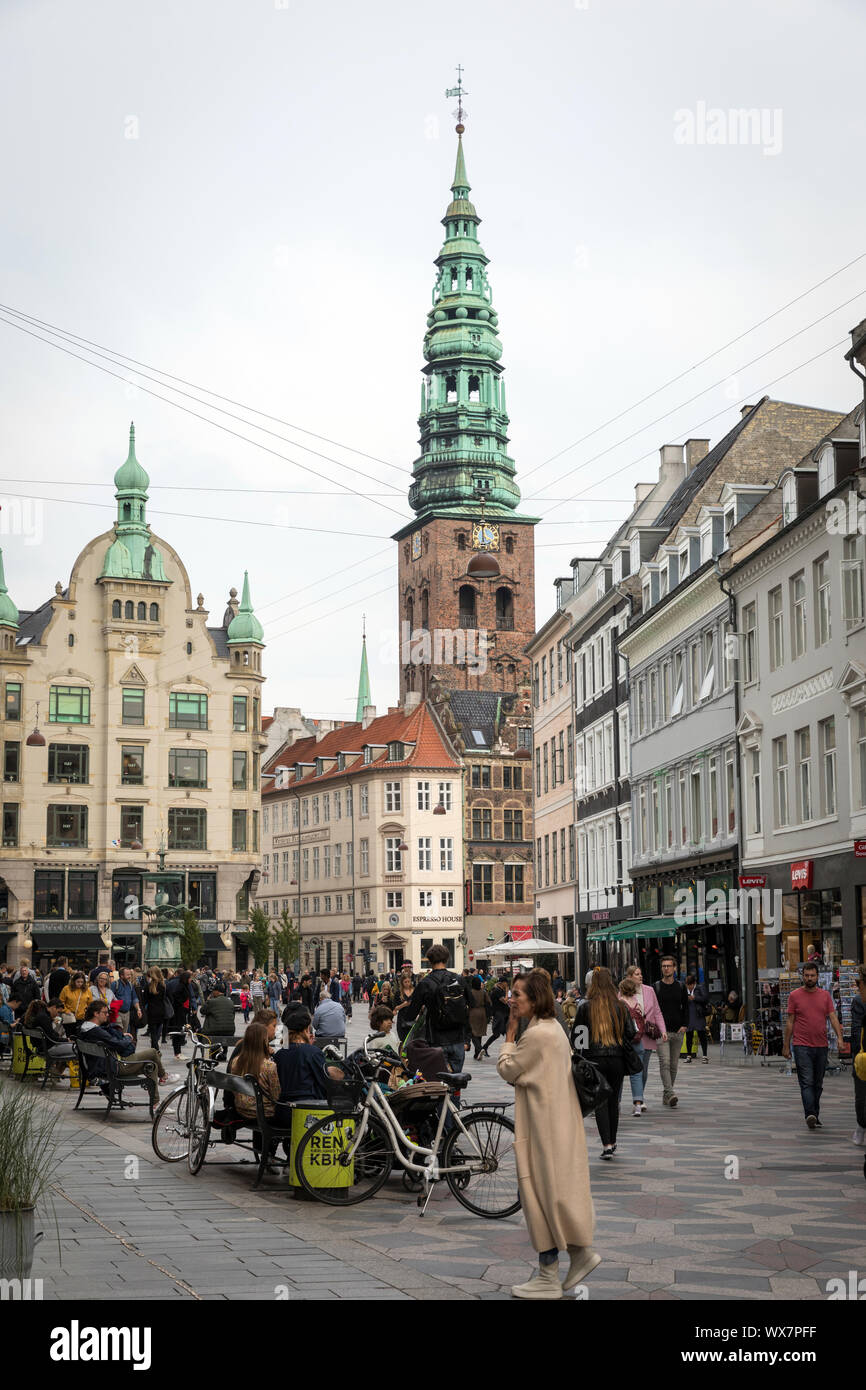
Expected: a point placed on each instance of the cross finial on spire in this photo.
(363, 627)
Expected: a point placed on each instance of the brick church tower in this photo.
(464, 629)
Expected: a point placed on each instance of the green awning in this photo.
(650, 928)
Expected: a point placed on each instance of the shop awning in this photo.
(52, 942)
(650, 928)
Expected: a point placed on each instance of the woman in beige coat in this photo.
(550, 1144)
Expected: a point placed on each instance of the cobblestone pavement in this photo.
(727, 1197)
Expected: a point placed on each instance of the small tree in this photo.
(192, 941)
(258, 938)
(287, 939)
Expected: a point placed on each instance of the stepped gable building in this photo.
(362, 832)
(127, 719)
(463, 631)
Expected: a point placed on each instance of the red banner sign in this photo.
(521, 933)
(801, 874)
(860, 849)
(753, 880)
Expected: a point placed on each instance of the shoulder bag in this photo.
(592, 1087)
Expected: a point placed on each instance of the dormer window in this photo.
(826, 472)
(341, 762)
(730, 523)
(684, 563)
(368, 753)
(789, 500)
(320, 766)
(645, 594)
(617, 567)
(635, 554)
(299, 772)
(395, 752)
(663, 582)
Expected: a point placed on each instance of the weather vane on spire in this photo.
(459, 92)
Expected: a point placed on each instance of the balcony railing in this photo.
(468, 620)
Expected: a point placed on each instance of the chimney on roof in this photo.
(696, 449)
(368, 716)
(411, 701)
(641, 492)
(744, 410)
(671, 463)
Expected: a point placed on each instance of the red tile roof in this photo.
(418, 726)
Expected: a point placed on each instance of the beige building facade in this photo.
(128, 723)
(362, 841)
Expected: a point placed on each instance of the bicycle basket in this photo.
(344, 1095)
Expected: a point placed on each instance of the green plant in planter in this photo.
(29, 1160)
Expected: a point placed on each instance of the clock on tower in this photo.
(485, 535)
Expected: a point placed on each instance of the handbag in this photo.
(593, 1089)
(860, 1059)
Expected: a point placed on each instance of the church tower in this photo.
(461, 627)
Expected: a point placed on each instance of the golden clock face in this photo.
(416, 545)
(485, 536)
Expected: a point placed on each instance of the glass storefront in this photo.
(812, 918)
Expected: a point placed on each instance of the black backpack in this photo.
(450, 1009)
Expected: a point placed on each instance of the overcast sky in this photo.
(248, 195)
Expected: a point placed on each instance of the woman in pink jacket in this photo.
(643, 1005)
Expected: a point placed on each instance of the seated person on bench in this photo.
(301, 1067)
(329, 1021)
(96, 1028)
(253, 1058)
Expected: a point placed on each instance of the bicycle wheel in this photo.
(199, 1132)
(325, 1170)
(170, 1133)
(492, 1191)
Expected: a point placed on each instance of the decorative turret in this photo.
(463, 420)
(245, 627)
(8, 611)
(132, 555)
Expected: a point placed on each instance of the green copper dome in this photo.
(463, 421)
(132, 554)
(8, 611)
(245, 626)
(130, 476)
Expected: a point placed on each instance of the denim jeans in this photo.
(455, 1055)
(811, 1063)
(668, 1053)
(638, 1081)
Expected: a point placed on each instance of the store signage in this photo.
(521, 933)
(600, 916)
(860, 849)
(432, 918)
(801, 874)
(753, 880)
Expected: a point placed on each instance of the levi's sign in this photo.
(753, 880)
(801, 874)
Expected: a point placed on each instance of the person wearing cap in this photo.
(301, 1066)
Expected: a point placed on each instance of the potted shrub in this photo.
(29, 1160)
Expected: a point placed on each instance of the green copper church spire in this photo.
(364, 696)
(463, 419)
(8, 611)
(132, 555)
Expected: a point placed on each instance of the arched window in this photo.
(116, 608)
(504, 609)
(509, 545)
(129, 609)
(142, 612)
(450, 390)
(474, 389)
(461, 541)
(127, 511)
(410, 613)
(70, 641)
(154, 612)
(425, 609)
(469, 277)
(453, 277)
(189, 648)
(467, 606)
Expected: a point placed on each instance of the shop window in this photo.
(123, 887)
(82, 890)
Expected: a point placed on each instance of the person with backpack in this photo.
(674, 1003)
(447, 999)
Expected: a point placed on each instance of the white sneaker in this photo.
(169, 1076)
(638, 1109)
(859, 1136)
(642, 1108)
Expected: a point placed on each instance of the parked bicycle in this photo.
(347, 1156)
(180, 1113)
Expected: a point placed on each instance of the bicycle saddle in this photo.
(455, 1080)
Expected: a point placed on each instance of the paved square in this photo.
(727, 1197)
